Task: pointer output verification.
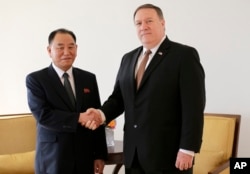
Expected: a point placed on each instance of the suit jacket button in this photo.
(135, 126)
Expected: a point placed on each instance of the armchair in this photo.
(17, 143)
(220, 142)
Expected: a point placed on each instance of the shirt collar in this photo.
(60, 72)
(153, 50)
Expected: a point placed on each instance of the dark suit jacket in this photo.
(166, 113)
(63, 145)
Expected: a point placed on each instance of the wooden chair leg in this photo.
(117, 168)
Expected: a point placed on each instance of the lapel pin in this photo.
(160, 53)
(86, 90)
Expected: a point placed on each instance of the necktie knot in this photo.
(147, 53)
(65, 75)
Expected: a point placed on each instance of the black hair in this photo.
(60, 30)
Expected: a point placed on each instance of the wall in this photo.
(105, 31)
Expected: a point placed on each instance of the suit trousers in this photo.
(137, 169)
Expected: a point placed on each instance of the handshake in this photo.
(91, 119)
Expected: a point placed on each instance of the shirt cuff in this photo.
(189, 152)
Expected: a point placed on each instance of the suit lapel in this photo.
(78, 89)
(158, 57)
(59, 88)
(133, 67)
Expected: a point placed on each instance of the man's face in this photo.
(63, 51)
(150, 28)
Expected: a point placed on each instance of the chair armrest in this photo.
(220, 168)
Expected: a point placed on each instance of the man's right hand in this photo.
(91, 118)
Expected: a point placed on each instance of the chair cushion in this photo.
(218, 135)
(17, 163)
(206, 161)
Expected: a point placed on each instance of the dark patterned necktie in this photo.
(141, 68)
(68, 88)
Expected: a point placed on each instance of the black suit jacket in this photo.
(63, 145)
(166, 113)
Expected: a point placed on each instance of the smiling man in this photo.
(163, 106)
(63, 145)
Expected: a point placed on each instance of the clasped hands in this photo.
(91, 119)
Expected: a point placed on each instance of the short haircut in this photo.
(60, 30)
(151, 6)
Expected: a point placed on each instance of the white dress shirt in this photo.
(60, 75)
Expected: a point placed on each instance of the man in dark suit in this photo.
(164, 111)
(63, 145)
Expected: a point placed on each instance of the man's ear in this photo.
(49, 50)
(163, 22)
